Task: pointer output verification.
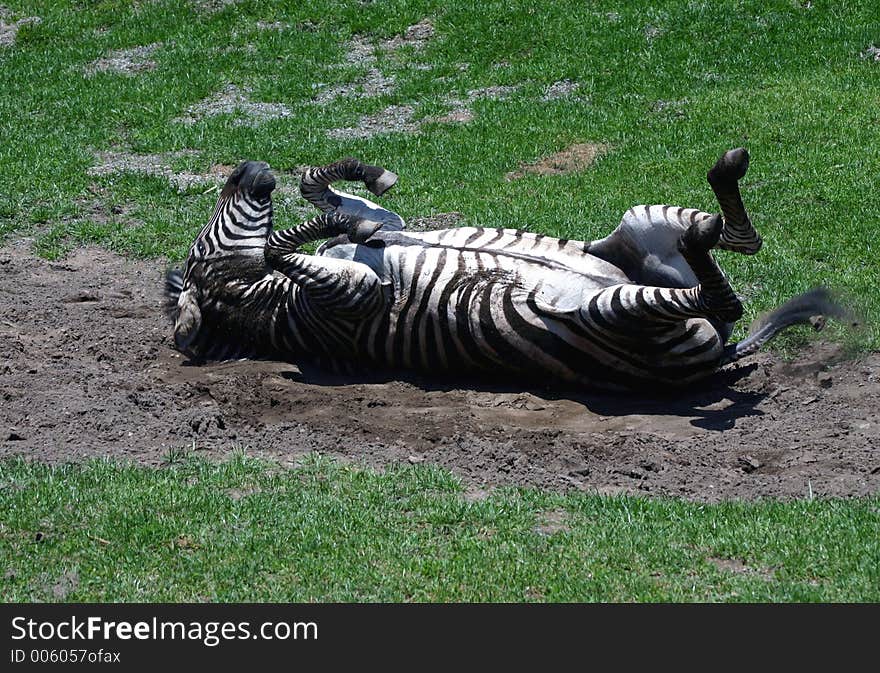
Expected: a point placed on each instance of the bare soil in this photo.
(87, 369)
(232, 100)
(125, 61)
(573, 159)
(9, 27)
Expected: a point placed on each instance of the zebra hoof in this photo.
(361, 230)
(731, 167)
(381, 183)
(701, 236)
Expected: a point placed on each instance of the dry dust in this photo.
(401, 118)
(564, 88)
(87, 369)
(462, 112)
(158, 165)
(127, 62)
(578, 157)
(435, 222)
(232, 100)
(211, 6)
(274, 25)
(393, 119)
(872, 53)
(9, 28)
(361, 52)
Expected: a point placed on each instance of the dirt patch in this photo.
(578, 157)
(361, 52)
(158, 165)
(87, 369)
(211, 6)
(435, 222)
(273, 25)
(393, 119)
(670, 110)
(232, 100)
(461, 112)
(67, 583)
(125, 61)
(288, 201)
(564, 88)
(457, 116)
(550, 523)
(373, 83)
(872, 53)
(416, 36)
(9, 28)
(653, 32)
(496, 92)
(738, 567)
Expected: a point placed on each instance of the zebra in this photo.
(645, 306)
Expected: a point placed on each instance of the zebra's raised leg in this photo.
(737, 233)
(315, 188)
(719, 299)
(348, 289)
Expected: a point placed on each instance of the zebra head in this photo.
(228, 249)
(242, 219)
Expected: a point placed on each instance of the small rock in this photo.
(749, 463)
(631, 473)
(415, 459)
(14, 436)
(650, 465)
(83, 297)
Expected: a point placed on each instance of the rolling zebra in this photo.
(645, 305)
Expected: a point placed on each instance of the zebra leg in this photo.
(319, 228)
(737, 232)
(315, 188)
(349, 289)
(717, 297)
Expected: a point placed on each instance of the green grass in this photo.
(245, 530)
(668, 86)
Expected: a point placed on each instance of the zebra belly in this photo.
(458, 309)
(513, 249)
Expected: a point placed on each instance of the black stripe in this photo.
(419, 315)
(403, 319)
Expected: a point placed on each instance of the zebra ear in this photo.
(189, 320)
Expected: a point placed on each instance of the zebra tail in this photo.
(173, 288)
(811, 307)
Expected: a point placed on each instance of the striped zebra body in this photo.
(645, 305)
(505, 300)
